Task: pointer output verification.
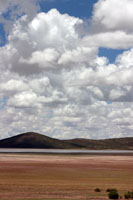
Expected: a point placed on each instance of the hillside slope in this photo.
(35, 140)
(115, 143)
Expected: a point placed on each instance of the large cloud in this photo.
(56, 83)
(114, 14)
(111, 24)
(109, 39)
(50, 40)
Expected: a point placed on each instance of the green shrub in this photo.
(113, 194)
(97, 190)
(128, 195)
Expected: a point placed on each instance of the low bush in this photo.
(113, 194)
(128, 195)
(97, 190)
(111, 189)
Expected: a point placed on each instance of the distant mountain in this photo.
(35, 140)
(115, 143)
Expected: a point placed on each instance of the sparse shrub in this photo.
(111, 189)
(132, 194)
(128, 195)
(113, 194)
(97, 190)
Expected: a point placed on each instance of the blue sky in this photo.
(111, 54)
(77, 8)
(2, 35)
(66, 76)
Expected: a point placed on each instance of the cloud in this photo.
(48, 41)
(44, 59)
(47, 65)
(79, 56)
(125, 59)
(112, 39)
(10, 11)
(18, 8)
(114, 15)
(111, 25)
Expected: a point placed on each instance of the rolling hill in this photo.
(35, 140)
(115, 143)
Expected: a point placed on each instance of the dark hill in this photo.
(35, 140)
(115, 143)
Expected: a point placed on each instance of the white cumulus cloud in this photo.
(114, 14)
(55, 82)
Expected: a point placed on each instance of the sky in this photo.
(66, 68)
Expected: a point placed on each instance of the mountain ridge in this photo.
(36, 140)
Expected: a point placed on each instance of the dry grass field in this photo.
(62, 177)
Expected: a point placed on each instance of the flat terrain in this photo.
(58, 177)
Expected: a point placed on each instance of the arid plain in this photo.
(58, 177)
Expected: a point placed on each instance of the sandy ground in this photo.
(38, 177)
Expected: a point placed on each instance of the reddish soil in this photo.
(38, 177)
